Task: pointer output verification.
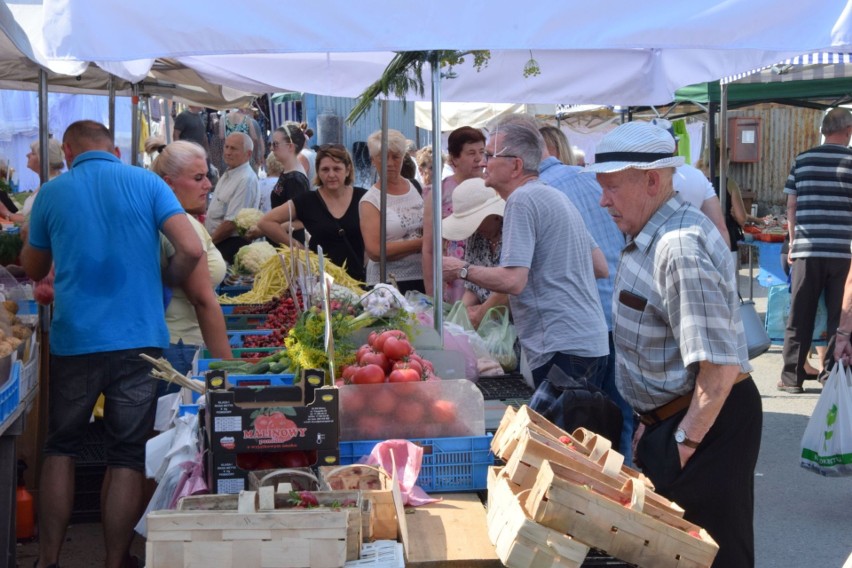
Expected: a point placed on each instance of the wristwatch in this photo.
(681, 438)
(463, 272)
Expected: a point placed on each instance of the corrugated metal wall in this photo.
(400, 117)
(785, 131)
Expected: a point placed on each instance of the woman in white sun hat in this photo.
(477, 218)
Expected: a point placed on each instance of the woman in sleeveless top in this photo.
(404, 218)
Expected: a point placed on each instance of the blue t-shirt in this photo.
(101, 222)
(585, 193)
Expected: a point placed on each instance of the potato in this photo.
(11, 306)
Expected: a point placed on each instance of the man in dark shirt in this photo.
(189, 125)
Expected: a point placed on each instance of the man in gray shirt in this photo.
(548, 263)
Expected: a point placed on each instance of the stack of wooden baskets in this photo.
(560, 494)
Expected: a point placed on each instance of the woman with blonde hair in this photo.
(56, 161)
(404, 218)
(193, 314)
(557, 144)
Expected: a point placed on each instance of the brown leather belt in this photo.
(671, 408)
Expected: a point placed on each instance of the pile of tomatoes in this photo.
(387, 357)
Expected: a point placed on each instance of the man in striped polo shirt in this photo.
(680, 346)
(819, 205)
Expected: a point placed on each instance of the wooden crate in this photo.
(245, 537)
(622, 522)
(520, 542)
(375, 486)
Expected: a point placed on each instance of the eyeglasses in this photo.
(275, 144)
(488, 156)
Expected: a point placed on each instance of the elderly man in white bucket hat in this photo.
(477, 218)
(547, 265)
(681, 355)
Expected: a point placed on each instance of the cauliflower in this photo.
(246, 219)
(250, 258)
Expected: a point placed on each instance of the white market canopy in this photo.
(608, 52)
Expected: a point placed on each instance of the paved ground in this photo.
(801, 519)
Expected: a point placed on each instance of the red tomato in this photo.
(426, 364)
(371, 339)
(266, 463)
(376, 358)
(404, 376)
(396, 348)
(383, 400)
(248, 461)
(379, 343)
(410, 364)
(371, 427)
(409, 412)
(349, 373)
(352, 401)
(369, 375)
(363, 350)
(444, 411)
(294, 458)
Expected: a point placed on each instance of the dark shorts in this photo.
(74, 386)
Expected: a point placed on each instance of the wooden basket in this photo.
(538, 439)
(245, 537)
(375, 485)
(519, 541)
(622, 522)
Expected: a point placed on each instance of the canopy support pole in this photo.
(723, 150)
(383, 198)
(43, 129)
(134, 126)
(111, 85)
(437, 167)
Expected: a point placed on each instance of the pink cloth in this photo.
(408, 457)
(191, 481)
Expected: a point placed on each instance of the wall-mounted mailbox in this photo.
(744, 139)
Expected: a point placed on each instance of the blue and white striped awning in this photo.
(817, 65)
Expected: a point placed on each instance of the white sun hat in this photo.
(639, 145)
(472, 203)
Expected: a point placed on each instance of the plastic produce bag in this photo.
(827, 442)
(499, 335)
(458, 315)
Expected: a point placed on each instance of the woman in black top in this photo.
(329, 214)
(287, 141)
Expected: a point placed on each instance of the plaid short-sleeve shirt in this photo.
(675, 304)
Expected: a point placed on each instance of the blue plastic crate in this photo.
(184, 409)
(233, 290)
(236, 338)
(450, 465)
(10, 392)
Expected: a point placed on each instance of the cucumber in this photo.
(227, 365)
(278, 368)
(256, 369)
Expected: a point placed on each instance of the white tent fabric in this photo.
(478, 115)
(612, 53)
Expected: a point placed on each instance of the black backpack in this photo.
(572, 402)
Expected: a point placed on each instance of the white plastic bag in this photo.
(827, 442)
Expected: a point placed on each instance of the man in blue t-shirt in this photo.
(99, 225)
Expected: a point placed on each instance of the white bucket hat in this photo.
(638, 145)
(472, 203)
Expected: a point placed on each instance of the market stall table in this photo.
(450, 533)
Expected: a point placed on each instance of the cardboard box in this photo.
(225, 476)
(280, 418)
